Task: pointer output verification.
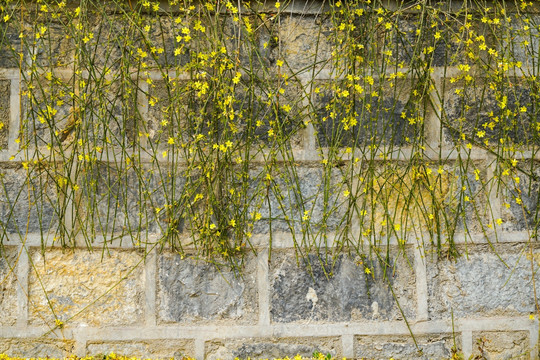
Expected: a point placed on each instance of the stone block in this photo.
(5, 98)
(8, 286)
(82, 287)
(191, 291)
(154, 349)
(492, 345)
(479, 284)
(36, 348)
(46, 112)
(272, 348)
(519, 197)
(484, 111)
(306, 43)
(339, 291)
(129, 200)
(379, 115)
(297, 199)
(28, 201)
(55, 46)
(435, 346)
(10, 44)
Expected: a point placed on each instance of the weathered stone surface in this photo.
(10, 45)
(28, 202)
(520, 197)
(8, 286)
(305, 43)
(488, 111)
(34, 348)
(480, 284)
(94, 288)
(501, 345)
(154, 349)
(5, 94)
(55, 46)
(125, 200)
(271, 348)
(345, 293)
(403, 347)
(195, 291)
(379, 115)
(46, 117)
(296, 199)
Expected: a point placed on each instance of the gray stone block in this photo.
(368, 119)
(478, 113)
(341, 291)
(191, 291)
(5, 97)
(296, 199)
(479, 284)
(28, 201)
(46, 118)
(524, 215)
(128, 200)
(272, 348)
(437, 346)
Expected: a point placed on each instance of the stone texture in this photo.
(479, 284)
(34, 348)
(46, 113)
(191, 291)
(121, 201)
(10, 44)
(501, 345)
(524, 215)
(95, 288)
(28, 201)
(271, 348)
(154, 349)
(376, 116)
(5, 95)
(489, 111)
(55, 47)
(403, 347)
(306, 44)
(297, 197)
(344, 292)
(8, 286)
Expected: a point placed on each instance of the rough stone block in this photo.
(95, 289)
(271, 348)
(437, 346)
(296, 199)
(36, 348)
(306, 43)
(379, 115)
(344, 292)
(154, 349)
(486, 111)
(195, 291)
(8, 286)
(55, 46)
(129, 200)
(520, 197)
(5, 95)
(501, 345)
(46, 112)
(10, 45)
(28, 202)
(479, 284)
(520, 40)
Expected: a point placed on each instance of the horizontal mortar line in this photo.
(319, 329)
(280, 240)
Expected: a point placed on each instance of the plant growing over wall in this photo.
(209, 127)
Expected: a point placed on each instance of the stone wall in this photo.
(149, 301)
